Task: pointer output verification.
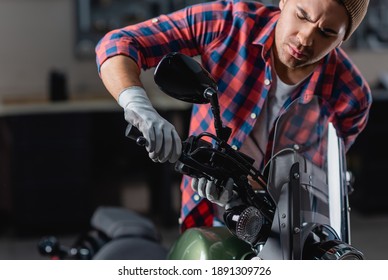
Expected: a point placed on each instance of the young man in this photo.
(261, 57)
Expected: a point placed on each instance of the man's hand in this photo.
(163, 142)
(208, 189)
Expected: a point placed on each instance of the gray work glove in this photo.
(163, 142)
(208, 189)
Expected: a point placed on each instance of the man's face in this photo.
(307, 30)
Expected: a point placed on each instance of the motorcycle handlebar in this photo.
(200, 159)
(134, 133)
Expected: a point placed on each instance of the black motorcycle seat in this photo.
(117, 222)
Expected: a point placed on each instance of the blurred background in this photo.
(62, 146)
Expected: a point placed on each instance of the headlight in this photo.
(247, 223)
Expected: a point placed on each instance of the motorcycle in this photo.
(300, 210)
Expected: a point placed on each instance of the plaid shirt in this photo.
(234, 40)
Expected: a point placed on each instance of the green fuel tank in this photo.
(209, 243)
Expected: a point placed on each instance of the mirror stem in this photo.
(222, 132)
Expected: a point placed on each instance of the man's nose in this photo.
(305, 36)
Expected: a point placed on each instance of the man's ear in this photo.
(282, 3)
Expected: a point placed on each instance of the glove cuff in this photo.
(130, 94)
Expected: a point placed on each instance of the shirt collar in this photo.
(267, 35)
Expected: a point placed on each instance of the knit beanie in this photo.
(356, 10)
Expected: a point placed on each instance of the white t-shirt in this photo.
(256, 142)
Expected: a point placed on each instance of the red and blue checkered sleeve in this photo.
(188, 31)
(353, 104)
(355, 117)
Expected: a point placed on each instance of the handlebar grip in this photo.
(133, 133)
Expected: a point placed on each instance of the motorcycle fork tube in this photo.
(295, 217)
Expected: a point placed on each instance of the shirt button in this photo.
(267, 82)
(155, 20)
(234, 147)
(253, 116)
(196, 197)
